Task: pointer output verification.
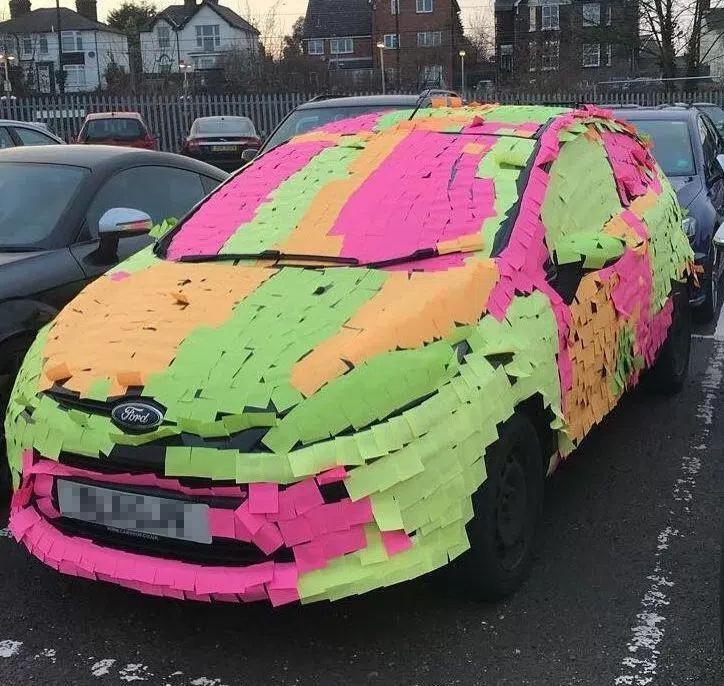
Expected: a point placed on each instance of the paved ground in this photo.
(624, 589)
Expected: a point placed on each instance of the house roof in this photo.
(715, 18)
(179, 15)
(45, 19)
(327, 18)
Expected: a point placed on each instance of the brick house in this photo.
(421, 39)
(564, 43)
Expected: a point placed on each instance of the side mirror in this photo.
(116, 223)
(719, 236)
(249, 154)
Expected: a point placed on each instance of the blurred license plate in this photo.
(223, 148)
(134, 513)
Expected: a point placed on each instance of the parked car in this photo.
(17, 133)
(221, 140)
(57, 230)
(688, 147)
(325, 110)
(117, 128)
(358, 357)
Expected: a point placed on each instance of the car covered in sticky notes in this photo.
(354, 362)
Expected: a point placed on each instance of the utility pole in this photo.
(61, 72)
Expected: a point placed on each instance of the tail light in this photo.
(191, 145)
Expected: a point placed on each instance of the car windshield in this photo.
(302, 121)
(219, 126)
(116, 128)
(34, 198)
(672, 144)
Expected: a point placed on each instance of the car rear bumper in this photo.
(252, 556)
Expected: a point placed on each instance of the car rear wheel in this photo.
(669, 372)
(507, 508)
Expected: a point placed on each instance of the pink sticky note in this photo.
(310, 556)
(221, 523)
(295, 531)
(285, 576)
(332, 475)
(119, 276)
(305, 495)
(282, 596)
(263, 498)
(268, 538)
(252, 522)
(396, 541)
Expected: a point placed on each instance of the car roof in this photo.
(95, 157)
(660, 113)
(363, 101)
(222, 117)
(43, 128)
(113, 115)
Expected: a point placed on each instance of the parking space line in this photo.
(719, 331)
(639, 664)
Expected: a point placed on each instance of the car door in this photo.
(6, 140)
(597, 246)
(161, 192)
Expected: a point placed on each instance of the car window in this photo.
(209, 184)
(35, 196)
(33, 137)
(302, 121)
(219, 126)
(671, 144)
(6, 140)
(116, 128)
(715, 137)
(161, 192)
(709, 144)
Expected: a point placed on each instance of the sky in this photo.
(253, 10)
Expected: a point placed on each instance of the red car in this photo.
(117, 128)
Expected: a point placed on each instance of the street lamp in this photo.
(381, 46)
(6, 58)
(185, 68)
(462, 72)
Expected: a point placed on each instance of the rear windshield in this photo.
(34, 198)
(116, 128)
(672, 145)
(302, 121)
(241, 126)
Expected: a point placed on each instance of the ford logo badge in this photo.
(136, 417)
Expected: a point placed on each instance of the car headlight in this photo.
(689, 226)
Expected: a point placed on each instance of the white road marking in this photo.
(134, 672)
(639, 665)
(8, 647)
(5, 533)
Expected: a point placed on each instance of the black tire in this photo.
(507, 509)
(707, 310)
(671, 368)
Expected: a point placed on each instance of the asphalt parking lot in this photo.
(623, 591)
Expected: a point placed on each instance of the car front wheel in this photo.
(506, 508)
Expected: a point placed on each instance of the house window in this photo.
(164, 36)
(27, 46)
(609, 14)
(532, 56)
(549, 18)
(431, 75)
(74, 75)
(390, 40)
(532, 20)
(608, 55)
(205, 62)
(422, 6)
(315, 47)
(208, 37)
(591, 14)
(549, 58)
(72, 41)
(43, 43)
(591, 55)
(341, 46)
(506, 58)
(394, 6)
(429, 39)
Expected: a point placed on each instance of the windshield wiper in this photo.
(422, 254)
(269, 255)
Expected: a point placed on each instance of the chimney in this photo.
(87, 9)
(18, 8)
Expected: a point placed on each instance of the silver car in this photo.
(18, 133)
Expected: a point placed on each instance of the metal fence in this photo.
(169, 116)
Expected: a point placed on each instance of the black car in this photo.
(324, 110)
(68, 213)
(689, 149)
(221, 140)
